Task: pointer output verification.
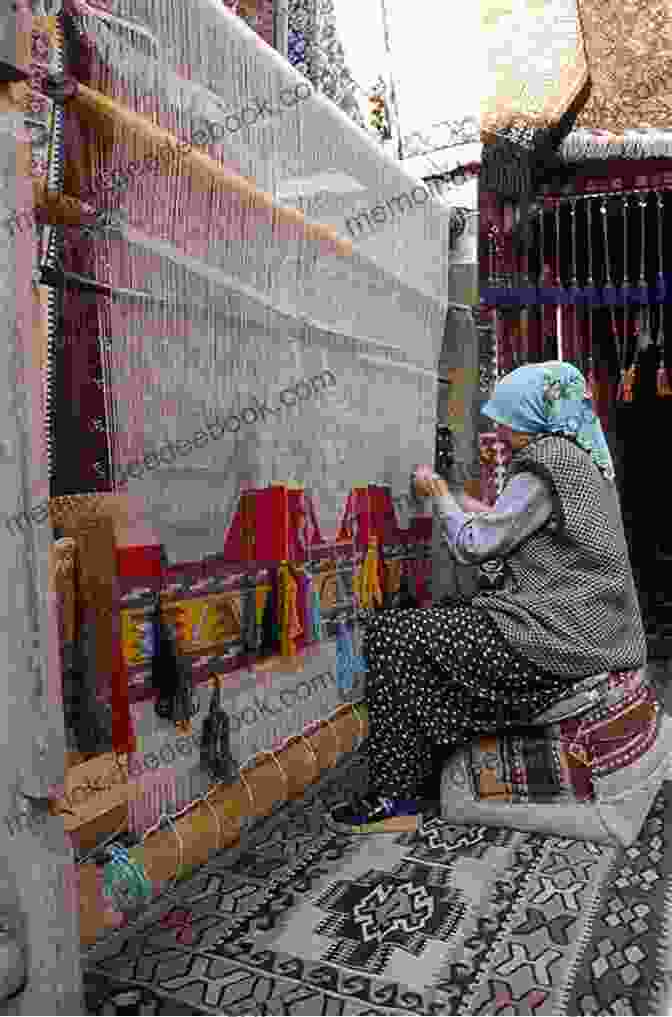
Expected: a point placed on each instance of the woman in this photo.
(565, 608)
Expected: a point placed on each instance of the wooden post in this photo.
(38, 898)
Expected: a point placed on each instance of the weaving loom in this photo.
(268, 307)
(192, 287)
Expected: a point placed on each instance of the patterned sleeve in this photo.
(523, 507)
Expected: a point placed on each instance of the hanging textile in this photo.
(171, 675)
(216, 756)
(369, 593)
(269, 642)
(249, 629)
(289, 621)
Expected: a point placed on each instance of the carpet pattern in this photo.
(451, 920)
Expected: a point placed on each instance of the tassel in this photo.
(628, 380)
(368, 588)
(290, 626)
(283, 608)
(316, 616)
(216, 758)
(345, 659)
(663, 387)
(123, 735)
(621, 389)
(591, 380)
(303, 606)
(407, 600)
(171, 674)
(307, 594)
(248, 626)
(269, 627)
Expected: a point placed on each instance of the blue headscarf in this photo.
(551, 398)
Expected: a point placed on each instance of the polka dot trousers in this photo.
(441, 676)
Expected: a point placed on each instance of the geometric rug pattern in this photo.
(300, 919)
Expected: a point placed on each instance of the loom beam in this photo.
(94, 105)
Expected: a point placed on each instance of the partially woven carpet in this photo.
(453, 920)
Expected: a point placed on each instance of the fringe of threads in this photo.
(582, 145)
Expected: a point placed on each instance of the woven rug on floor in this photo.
(452, 920)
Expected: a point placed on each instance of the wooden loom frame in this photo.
(96, 107)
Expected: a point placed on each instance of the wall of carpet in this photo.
(185, 316)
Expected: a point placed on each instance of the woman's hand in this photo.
(429, 485)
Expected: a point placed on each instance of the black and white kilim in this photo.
(568, 602)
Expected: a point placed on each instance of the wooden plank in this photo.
(36, 859)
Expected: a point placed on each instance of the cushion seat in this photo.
(589, 768)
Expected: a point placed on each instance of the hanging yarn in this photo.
(369, 592)
(303, 605)
(663, 387)
(283, 607)
(248, 627)
(391, 583)
(406, 599)
(345, 663)
(316, 615)
(591, 380)
(171, 673)
(216, 756)
(295, 628)
(628, 381)
(290, 626)
(269, 627)
(125, 883)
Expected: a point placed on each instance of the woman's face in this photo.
(516, 439)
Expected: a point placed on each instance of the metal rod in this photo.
(542, 245)
(390, 74)
(626, 281)
(642, 262)
(605, 233)
(572, 212)
(611, 194)
(558, 281)
(661, 274)
(589, 215)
